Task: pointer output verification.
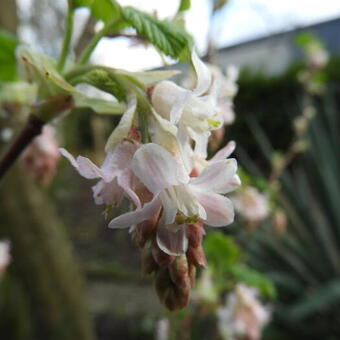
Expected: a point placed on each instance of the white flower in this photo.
(226, 91)
(251, 204)
(189, 108)
(115, 174)
(183, 199)
(5, 257)
(243, 315)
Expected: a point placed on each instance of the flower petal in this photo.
(125, 181)
(137, 216)
(155, 167)
(169, 208)
(107, 193)
(225, 152)
(219, 209)
(83, 165)
(119, 158)
(203, 75)
(172, 239)
(218, 177)
(187, 203)
(124, 126)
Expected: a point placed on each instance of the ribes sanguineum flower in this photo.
(116, 177)
(183, 199)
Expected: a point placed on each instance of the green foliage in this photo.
(253, 278)
(8, 45)
(81, 3)
(304, 39)
(221, 251)
(227, 264)
(105, 10)
(304, 263)
(164, 35)
(184, 5)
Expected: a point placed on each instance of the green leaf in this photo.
(184, 5)
(221, 251)
(164, 35)
(105, 81)
(39, 69)
(8, 45)
(81, 3)
(324, 299)
(105, 10)
(253, 278)
(101, 106)
(149, 77)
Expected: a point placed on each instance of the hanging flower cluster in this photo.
(158, 160)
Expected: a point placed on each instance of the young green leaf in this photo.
(8, 44)
(98, 105)
(105, 10)
(81, 3)
(164, 35)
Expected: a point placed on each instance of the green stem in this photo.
(85, 56)
(67, 37)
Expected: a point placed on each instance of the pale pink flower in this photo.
(183, 199)
(42, 155)
(226, 91)
(243, 316)
(251, 204)
(194, 112)
(116, 177)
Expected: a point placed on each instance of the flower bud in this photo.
(195, 234)
(196, 256)
(179, 272)
(149, 265)
(161, 258)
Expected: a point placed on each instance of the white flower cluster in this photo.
(243, 315)
(169, 180)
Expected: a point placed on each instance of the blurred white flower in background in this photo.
(243, 316)
(251, 204)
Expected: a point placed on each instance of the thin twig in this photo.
(32, 129)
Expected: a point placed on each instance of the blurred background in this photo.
(285, 242)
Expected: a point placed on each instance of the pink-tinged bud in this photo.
(195, 234)
(192, 274)
(149, 265)
(179, 272)
(194, 172)
(280, 222)
(170, 295)
(42, 155)
(196, 256)
(161, 258)
(144, 230)
(134, 134)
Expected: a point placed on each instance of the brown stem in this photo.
(32, 129)
(43, 112)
